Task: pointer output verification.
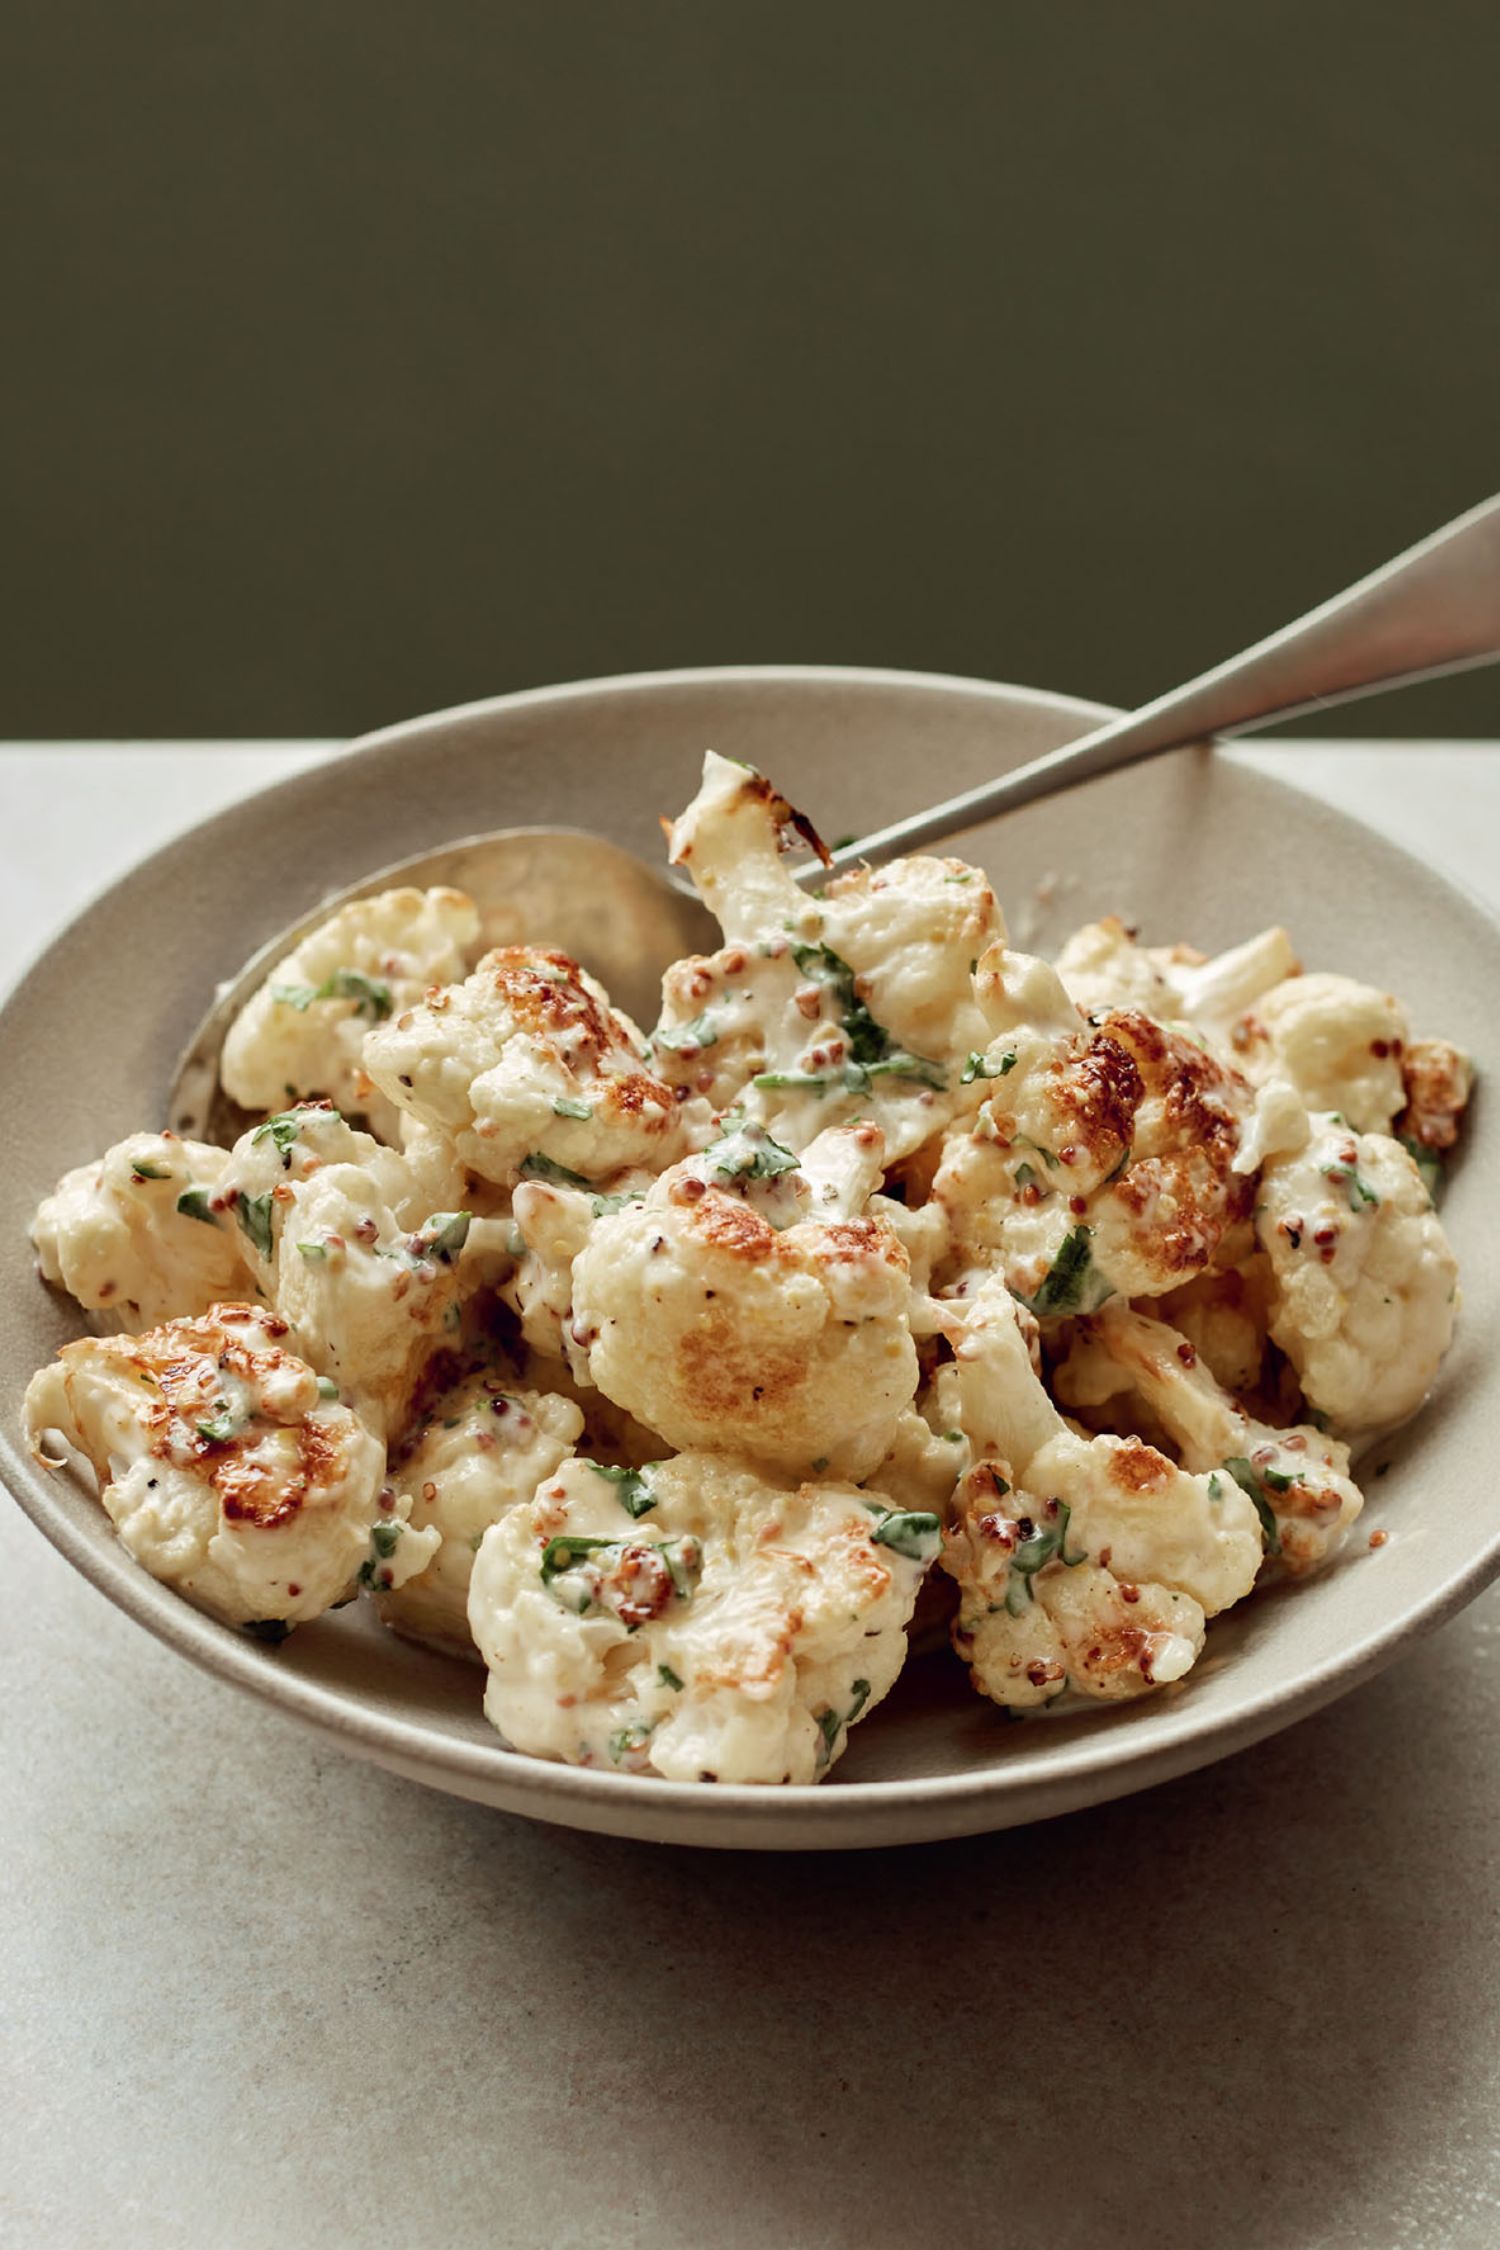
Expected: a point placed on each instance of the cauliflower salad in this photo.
(895, 1273)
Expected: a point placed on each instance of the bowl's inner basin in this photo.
(1194, 847)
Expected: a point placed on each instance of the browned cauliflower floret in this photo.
(1109, 1156)
(1090, 1562)
(329, 1221)
(1103, 968)
(304, 1031)
(136, 1237)
(1364, 1284)
(1337, 1042)
(483, 1447)
(526, 1068)
(1437, 1080)
(855, 1003)
(1298, 1478)
(734, 1309)
(226, 1465)
(698, 1621)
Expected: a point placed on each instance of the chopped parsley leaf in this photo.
(565, 1108)
(371, 997)
(539, 1167)
(1256, 1484)
(978, 1066)
(193, 1204)
(254, 1215)
(687, 1038)
(1072, 1283)
(282, 1129)
(140, 1170)
(668, 1677)
(631, 1489)
(911, 1532)
(1344, 1175)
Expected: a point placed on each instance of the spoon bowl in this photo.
(625, 921)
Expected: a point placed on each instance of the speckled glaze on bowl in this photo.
(1193, 845)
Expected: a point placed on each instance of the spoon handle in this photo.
(1434, 609)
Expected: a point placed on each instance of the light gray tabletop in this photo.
(256, 1993)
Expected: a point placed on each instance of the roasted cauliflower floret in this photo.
(697, 1622)
(1364, 1284)
(304, 1031)
(1438, 1079)
(483, 1448)
(856, 1003)
(369, 1295)
(226, 1466)
(1339, 1043)
(1225, 1317)
(1036, 1618)
(1104, 968)
(728, 1310)
(135, 1235)
(1298, 1478)
(1106, 1157)
(527, 1070)
(1111, 1509)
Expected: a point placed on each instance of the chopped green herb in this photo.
(631, 1489)
(1044, 1543)
(831, 1725)
(809, 1081)
(978, 1066)
(1255, 1484)
(282, 1129)
(539, 1167)
(1072, 1283)
(911, 1532)
(327, 1387)
(371, 997)
(385, 1537)
(1215, 1486)
(1026, 1176)
(629, 1738)
(441, 1237)
(565, 1108)
(1428, 1163)
(607, 1203)
(1046, 1154)
(668, 1677)
(747, 1152)
(687, 1038)
(254, 1215)
(316, 1253)
(953, 1437)
(140, 1170)
(563, 1555)
(193, 1204)
(1344, 1175)
(870, 1044)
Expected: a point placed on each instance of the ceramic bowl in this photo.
(1194, 846)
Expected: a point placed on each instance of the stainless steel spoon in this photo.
(1434, 609)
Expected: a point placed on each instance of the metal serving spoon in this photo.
(1434, 609)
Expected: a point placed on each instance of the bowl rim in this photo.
(1182, 1736)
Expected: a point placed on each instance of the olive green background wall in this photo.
(366, 357)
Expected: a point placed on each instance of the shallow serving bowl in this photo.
(1193, 846)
